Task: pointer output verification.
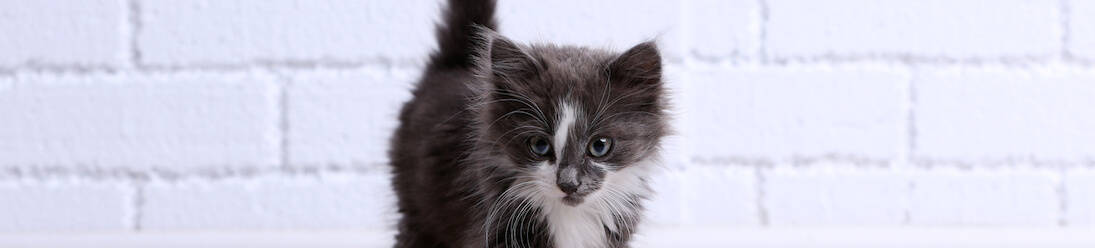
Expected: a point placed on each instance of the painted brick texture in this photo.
(63, 33)
(226, 115)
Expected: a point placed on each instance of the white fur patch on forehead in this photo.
(568, 114)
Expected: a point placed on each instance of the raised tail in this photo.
(457, 34)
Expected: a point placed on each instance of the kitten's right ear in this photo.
(640, 65)
(506, 59)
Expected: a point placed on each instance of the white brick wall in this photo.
(343, 118)
(831, 195)
(994, 113)
(720, 196)
(1079, 188)
(168, 115)
(52, 205)
(722, 29)
(780, 113)
(959, 29)
(62, 33)
(586, 22)
(981, 197)
(236, 32)
(168, 122)
(1081, 40)
(306, 202)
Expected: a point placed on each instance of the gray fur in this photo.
(461, 156)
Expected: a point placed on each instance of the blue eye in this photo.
(600, 146)
(539, 146)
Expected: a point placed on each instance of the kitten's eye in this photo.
(539, 146)
(600, 146)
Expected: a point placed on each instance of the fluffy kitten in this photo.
(507, 145)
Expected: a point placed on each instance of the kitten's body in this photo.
(463, 171)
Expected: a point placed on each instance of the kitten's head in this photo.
(571, 122)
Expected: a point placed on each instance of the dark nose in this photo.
(568, 180)
(569, 187)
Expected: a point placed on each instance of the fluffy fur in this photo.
(463, 169)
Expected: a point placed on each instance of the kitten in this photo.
(507, 145)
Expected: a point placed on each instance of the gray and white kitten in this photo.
(507, 145)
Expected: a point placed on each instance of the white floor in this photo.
(685, 237)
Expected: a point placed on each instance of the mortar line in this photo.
(762, 45)
(910, 116)
(220, 171)
(208, 174)
(1018, 63)
(1062, 197)
(273, 64)
(1065, 11)
(762, 209)
(134, 33)
(283, 120)
(907, 208)
(686, 33)
(137, 205)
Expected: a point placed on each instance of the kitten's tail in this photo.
(457, 34)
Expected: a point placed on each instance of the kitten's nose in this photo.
(568, 180)
(569, 187)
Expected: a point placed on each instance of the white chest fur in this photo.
(581, 226)
(585, 225)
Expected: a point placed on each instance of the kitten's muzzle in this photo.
(576, 183)
(569, 180)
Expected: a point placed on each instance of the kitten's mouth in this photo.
(573, 200)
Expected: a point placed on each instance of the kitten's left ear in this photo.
(639, 66)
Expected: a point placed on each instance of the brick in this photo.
(63, 206)
(723, 29)
(720, 196)
(779, 113)
(1079, 189)
(234, 32)
(594, 23)
(1082, 28)
(945, 28)
(1006, 197)
(344, 118)
(327, 201)
(835, 196)
(86, 33)
(993, 113)
(139, 121)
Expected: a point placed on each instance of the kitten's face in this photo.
(573, 122)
